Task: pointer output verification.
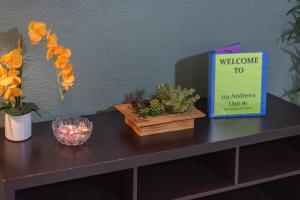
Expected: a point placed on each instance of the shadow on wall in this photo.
(192, 72)
(9, 40)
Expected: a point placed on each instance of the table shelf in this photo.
(187, 176)
(283, 189)
(112, 186)
(233, 158)
(268, 159)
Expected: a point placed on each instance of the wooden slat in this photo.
(161, 128)
(168, 127)
(133, 126)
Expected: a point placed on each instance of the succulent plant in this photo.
(155, 108)
(137, 95)
(141, 107)
(166, 99)
(175, 100)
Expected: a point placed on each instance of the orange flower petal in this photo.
(58, 50)
(38, 27)
(52, 40)
(70, 78)
(66, 86)
(50, 53)
(66, 53)
(2, 90)
(17, 92)
(7, 94)
(36, 30)
(12, 92)
(67, 70)
(13, 59)
(61, 62)
(13, 72)
(34, 38)
(10, 80)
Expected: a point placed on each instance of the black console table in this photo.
(221, 159)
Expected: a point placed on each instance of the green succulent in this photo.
(155, 108)
(175, 100)
(166, 99)
(142, 109)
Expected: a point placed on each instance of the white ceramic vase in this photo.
(18, 128)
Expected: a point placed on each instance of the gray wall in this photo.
(120, 46)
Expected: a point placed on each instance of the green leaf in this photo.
(14, 112)
(26, 108)
(29, 107)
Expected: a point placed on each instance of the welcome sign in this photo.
(237, 84)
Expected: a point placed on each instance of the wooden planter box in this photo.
(160, 124)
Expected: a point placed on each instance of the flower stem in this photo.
(60, 91)
(44, 42)
(19, 99)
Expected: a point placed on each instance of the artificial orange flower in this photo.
(63, 54)
(13, 59)
(2, 90)
(59, 51)
(66, 71)
(50, 53)
(66, 53)
(3, 74)
(36, 30)
(12, 92)
(10, 80)
(34, 38)
(52, 40)
(61, 62)
(67, 81)
(13, 72)
(65, 87)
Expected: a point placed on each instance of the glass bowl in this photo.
(72, 130)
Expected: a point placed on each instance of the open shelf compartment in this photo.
(282, 189)
(112, 186)
(179, 178)
(268, 159)
(250, 193)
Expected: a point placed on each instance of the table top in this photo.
(114, 146)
